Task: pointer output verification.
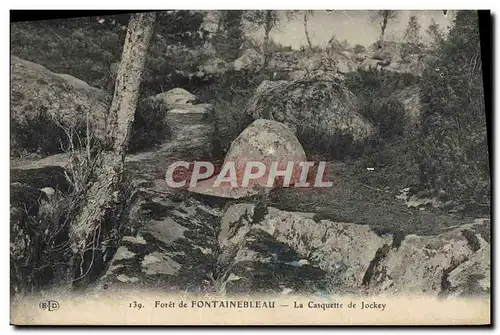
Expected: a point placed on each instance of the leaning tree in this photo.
(105, 183)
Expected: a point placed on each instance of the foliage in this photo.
(391, 152)
(229, 36)
(412, 32)
(374, 87)
(230, 96)
(268, 19)
(86, 47)
(435, 33)
(382, 18)
(41, 134)
(149, 127)
(454, 146)
(45, 135)
(358, 48)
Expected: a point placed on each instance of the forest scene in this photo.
(102, 105)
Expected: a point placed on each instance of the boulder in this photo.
(437, 264)
(270, 251)
(75, 82)
(38, 93)
(322, 107)
(213, 66)
(311, 62)
(345, 66)
(249, 60)
(192, 109)
(174, 249)
(262, 141)
(175, 98)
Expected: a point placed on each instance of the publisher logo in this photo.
(49, 305)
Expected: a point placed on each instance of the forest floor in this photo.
(349, 200)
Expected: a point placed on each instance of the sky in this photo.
(352, 25)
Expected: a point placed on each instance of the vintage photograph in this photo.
(238, 158)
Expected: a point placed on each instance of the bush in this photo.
(41, 135)
(149, 127)
(230, 95)
(44, 135)
(358, 48)
(61, 46)
(86, 49)
(374, 88)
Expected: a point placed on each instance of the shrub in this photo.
(230, 95)
(41, 135)
(150, 127)
(45, 135)
(374, 88)
(358, 48)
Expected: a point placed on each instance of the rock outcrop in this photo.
(249, 60)
(272, 251)
(175, 249)
(37, 92)
(175, 98)
(325, 108)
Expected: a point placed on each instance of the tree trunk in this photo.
(383, 27)
(267, 30)
(104, 193)
(307, 32)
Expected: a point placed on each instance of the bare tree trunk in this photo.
(306, 31)
(267, 30)
(383, 27)
(105, 190)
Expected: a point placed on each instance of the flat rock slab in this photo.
(174, 250)
(272, 251)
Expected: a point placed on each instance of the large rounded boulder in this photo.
(35, 89)
(320, 110)
(264, 141)
(43, 103)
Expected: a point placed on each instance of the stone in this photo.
(175, 98)
(173, 249)
(304, 255)
(322, 107)
(38, 92)
(426, 264)
(249, 60)
(192, 109)
(264, 141)
(270, 249)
